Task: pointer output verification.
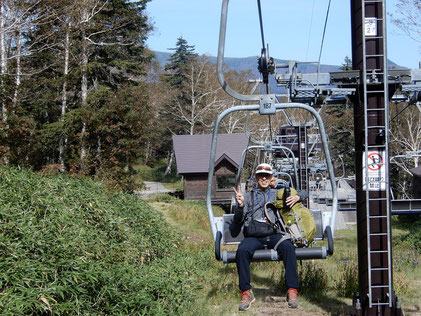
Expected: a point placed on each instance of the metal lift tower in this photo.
(369, 57)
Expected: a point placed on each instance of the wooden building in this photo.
(192, 154)
(416, 182)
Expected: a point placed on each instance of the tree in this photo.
(174, 77)
(176, 68)
(75, 60)
(347, 65)
(405, 145)
(196, 97)
(408, 18)
(17, 19)
(339, 125)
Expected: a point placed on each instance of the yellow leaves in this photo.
(75, 278)
(44, 300)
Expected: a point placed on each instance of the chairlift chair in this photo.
(266, 104)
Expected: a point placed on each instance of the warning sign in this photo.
(375, 173)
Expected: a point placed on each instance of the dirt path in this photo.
(152, 188)
(277, 305)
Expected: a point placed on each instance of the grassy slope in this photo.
(220, 292)
(69, 246)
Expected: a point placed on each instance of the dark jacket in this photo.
(243, 215)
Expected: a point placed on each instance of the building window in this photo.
(225, 182)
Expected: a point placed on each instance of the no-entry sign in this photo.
(375, 171)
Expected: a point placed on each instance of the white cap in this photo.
(264, 168)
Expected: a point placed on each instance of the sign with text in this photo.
(370, 27)
(375, 171)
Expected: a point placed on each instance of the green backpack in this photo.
(298, 220)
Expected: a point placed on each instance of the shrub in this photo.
(405, 254)
(347, 282)
(70, 247)
(414, 236)
(401, 284)
(313, 278)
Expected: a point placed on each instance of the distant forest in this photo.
(81, 93)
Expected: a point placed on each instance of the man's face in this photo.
(263, 180)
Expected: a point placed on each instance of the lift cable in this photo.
(321, 47)
(309, 30)
(261, 24)
(408, 105)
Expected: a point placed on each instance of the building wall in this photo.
(195, 184)
(416, 186)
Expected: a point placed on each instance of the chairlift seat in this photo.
(226, 237)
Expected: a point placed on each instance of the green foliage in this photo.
(339, 124)
(414, 236)
(162, 197)
(411, 241)
(347, 65)
(406, 254)
(313, 278)
(70, 247)
(45, 121)
(347, 282)
(156, 173)
(183, 54)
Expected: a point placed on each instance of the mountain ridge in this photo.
(250, 63)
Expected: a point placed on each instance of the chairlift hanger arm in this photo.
(220, 59)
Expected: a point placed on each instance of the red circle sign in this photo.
(375, 161)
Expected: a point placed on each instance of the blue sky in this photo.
(293, 29)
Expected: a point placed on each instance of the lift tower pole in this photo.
(371, 121)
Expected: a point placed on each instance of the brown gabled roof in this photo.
(192, 151)
(416, 171)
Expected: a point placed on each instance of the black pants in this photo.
(246, 250)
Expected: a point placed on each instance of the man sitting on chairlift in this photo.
(251, 210)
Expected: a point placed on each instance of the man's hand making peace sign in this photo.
(239, 196)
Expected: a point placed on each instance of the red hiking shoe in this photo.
(292, 298)
(247, 297)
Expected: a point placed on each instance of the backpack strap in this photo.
(252, 205)
(284, 237)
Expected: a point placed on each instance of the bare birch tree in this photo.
(408, 18)
(200, 96)
(406, 146)
(88, 10)
(3, 70)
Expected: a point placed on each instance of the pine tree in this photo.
(347, 65)
(177, 66)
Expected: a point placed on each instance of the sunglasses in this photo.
(267, 168)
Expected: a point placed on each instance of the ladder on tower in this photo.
(303, 159)
(376, 157)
